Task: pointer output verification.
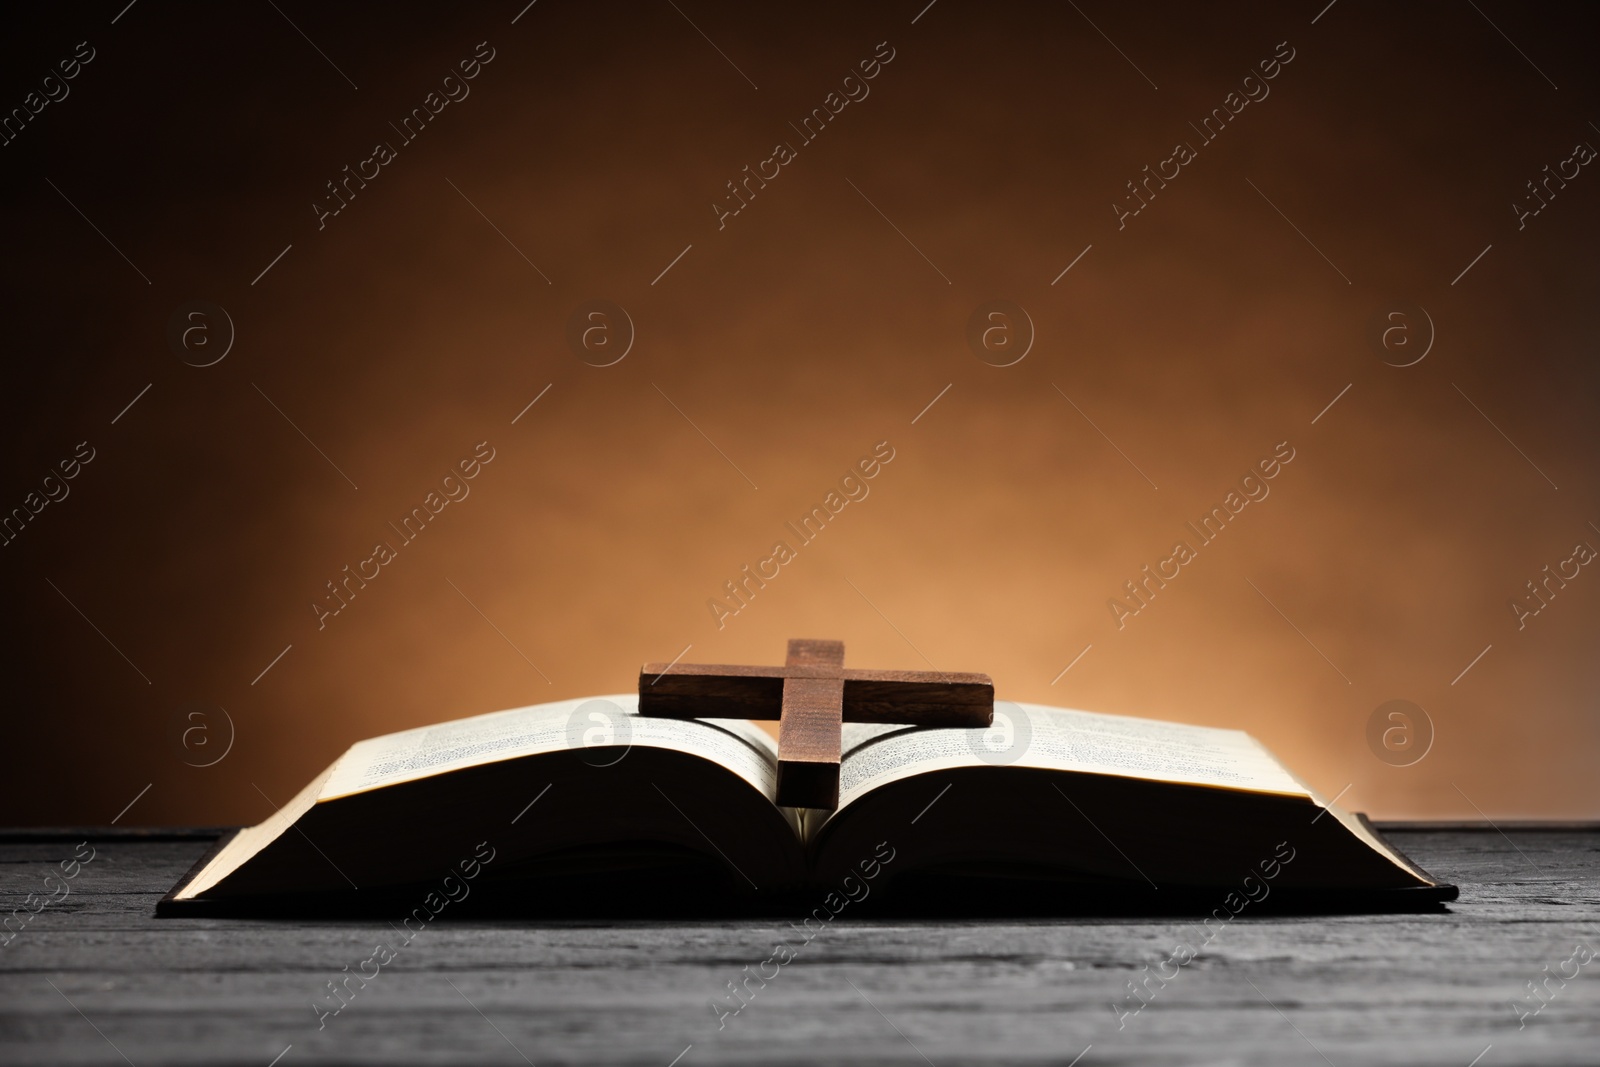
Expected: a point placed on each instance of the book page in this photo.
(252, 839)
(590, 722)
(1039, 736)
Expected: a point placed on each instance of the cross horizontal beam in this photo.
(812, 695)
(734, 691)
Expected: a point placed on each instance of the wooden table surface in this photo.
(95, 978)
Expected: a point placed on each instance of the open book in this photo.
(586, 805)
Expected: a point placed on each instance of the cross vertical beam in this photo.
(809, 726)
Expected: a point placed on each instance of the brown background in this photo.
(1197, 338)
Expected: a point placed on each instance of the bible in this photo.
(589, 807)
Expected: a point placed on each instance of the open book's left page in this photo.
(592, 722)
(623, 767)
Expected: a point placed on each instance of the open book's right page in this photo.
(1034, 735)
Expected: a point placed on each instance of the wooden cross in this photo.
(810, 695)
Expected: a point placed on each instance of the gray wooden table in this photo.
(95, 978)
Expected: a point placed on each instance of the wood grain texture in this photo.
(1374, 989)
(810, 695)
(815, 652)
(732, 691)
(809, 742)
(926, 698)
(809, 736)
